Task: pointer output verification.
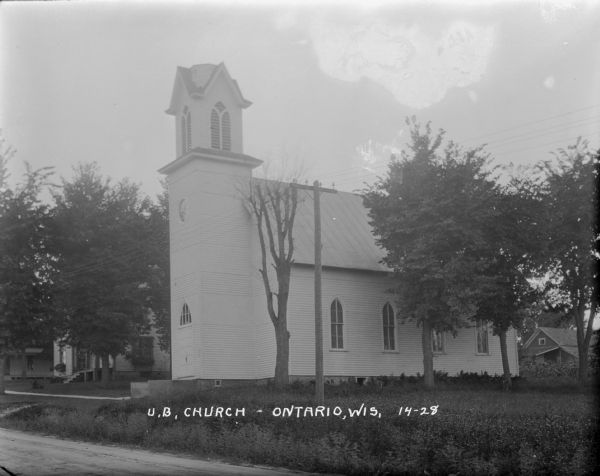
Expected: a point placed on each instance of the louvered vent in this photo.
(215, 133)
(226, 131)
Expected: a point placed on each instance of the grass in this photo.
(476, 430)
(117, 388)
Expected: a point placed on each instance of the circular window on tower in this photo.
(183, 209)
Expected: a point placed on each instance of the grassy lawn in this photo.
(118, 388)
(475, 429)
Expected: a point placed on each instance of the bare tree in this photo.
(274, 204)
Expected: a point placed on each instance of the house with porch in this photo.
(143, 359)
(553, 344)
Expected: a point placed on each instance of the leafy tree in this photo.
(274, 204)
(159, 284)
(507, 295)
(27, 317)
(106, 263)
(429, 213)
(571, 240)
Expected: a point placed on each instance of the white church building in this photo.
(220, 326)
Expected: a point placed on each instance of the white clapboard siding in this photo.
(363, 296)
(210, 268)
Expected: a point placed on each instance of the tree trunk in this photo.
(282, 338)
(3, 367)
(427, 355)
(584, 335)
(506, 379)
(582, 370)
(96, 367)
(105, 373)
(113, 374)
(24, 366)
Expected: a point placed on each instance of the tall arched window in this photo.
(215, 130)
(185, 317)
(389, 340)
(226, 131)
(220, 128)
(337, 325)
(186, 131)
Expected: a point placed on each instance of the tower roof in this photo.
(197, 80)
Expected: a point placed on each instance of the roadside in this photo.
(66, 457)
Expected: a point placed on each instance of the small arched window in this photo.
(389, 341)
(220, 127)
(337, 325)
(185, 316)
(186, 131)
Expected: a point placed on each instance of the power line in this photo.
(518, 126)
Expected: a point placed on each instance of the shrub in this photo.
(542, 368)
(474, 432)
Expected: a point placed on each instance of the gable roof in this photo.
(564, 338)
(346, 236)
(561, 336)
(198, 79)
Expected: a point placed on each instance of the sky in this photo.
(331, 84)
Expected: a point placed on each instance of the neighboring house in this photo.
(145, 359)
(553, 344)
(36, 362)
(220, 326)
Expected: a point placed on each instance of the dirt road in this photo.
(32, 455)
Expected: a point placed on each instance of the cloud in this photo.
(473, 96)
(549, 82)
(551, 9)
(416, 67)
(374, 155)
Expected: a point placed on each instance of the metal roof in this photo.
(346, 236)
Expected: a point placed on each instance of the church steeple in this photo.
(207, 104)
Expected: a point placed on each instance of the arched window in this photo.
(186, 131)
(185, 316)
(226, 131)
(215, 130)
(220, 128)
(389, 340)
(438, 345)
(482, 337)
(337, 325)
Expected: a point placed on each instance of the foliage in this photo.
(539, 368)
(159, 296)
(432, 214)
(27, 265)
(475, 431)
(571, 238)
(107, 261)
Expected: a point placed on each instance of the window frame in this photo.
(220, 127)
(389, 328)
(540, 339)
(481, 328)
(185, 316)
(441, 340)
(186, 131)
(336, 311)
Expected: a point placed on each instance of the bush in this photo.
(542, 368)
(474, 432)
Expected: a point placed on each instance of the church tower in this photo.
(210, 229)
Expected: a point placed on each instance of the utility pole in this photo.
(319, 381)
